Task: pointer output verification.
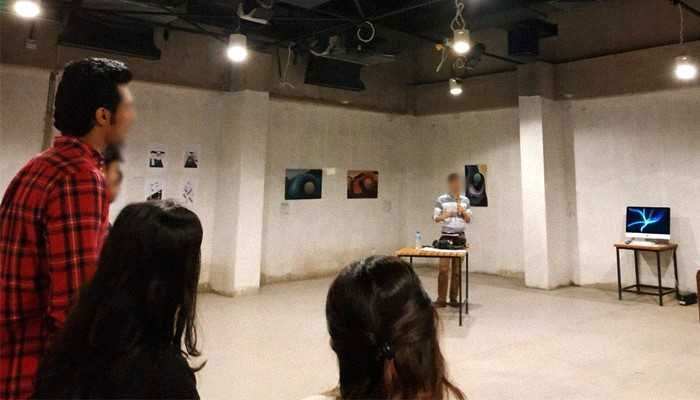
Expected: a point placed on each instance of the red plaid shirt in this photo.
(53, 219)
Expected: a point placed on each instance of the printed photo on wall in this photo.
(189, 191)
(191, 156)
(363, 184)
(476, 185)
(155, 189)
(303, 184)
(156, 156)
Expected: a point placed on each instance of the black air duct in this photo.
(87, 32)
(334, 74)
(524, 37)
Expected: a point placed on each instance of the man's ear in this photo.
(103, 117)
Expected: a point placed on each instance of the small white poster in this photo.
(191, 156)
(157, 155)
(155, 188)
(189, 191)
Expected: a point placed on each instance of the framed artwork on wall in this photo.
(475, 186)
(303, 184)
(363, 184)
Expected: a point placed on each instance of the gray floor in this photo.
(518, 343)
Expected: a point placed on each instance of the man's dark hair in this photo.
(85, 86)
(452, 177)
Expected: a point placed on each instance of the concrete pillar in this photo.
(237, 252)
(535, 260)
(544, 181)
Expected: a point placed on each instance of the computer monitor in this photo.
(648, 223)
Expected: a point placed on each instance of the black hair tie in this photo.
(386, 351)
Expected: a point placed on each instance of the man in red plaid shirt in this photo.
(53, 217)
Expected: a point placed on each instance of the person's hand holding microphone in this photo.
(462, 212)
(444, 216)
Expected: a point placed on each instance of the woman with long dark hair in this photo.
(133, 327)
(384, 330)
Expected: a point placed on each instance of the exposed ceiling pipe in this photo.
(355, 21)
(352, 21)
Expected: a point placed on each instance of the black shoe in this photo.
(453, 303)
(439, 304)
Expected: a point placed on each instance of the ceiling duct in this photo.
(332, 73)
(86, 31)
(524, 37)
(131, 7)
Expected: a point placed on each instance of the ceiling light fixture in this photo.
(27, 8)
(237, 50)
(461, 42)
(455, 87)
(686, 69)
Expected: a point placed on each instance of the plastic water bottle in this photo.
(419, 239)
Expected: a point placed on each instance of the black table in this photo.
(638, 288)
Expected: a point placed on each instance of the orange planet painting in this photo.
(363, 184)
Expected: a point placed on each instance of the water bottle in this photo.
(419, 239)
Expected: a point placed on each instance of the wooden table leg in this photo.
(466, 279)
(675, 273)
(459, 276)
(636, 269)
(619, 277)
(658, 270)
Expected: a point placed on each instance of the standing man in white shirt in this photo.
(453, 212)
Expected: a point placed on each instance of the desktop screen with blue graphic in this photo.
(649, 220)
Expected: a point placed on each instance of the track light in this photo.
(460, 34)
(686, 69)
(27, 8)
(455, 87)
(237, 47)
(460, 41)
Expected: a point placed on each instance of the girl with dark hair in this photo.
(383, 329)
(132, 329)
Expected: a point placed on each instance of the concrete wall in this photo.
(636, 150)
(446, 143)
(175, 117)
(304, 238)
(23, 94)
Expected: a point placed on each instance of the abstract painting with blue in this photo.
(303, 184)
(648, 220)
